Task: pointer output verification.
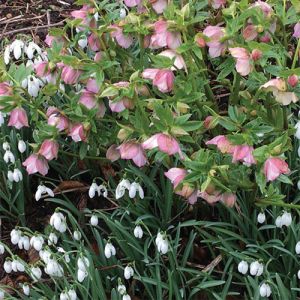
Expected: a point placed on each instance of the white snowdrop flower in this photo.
(26, 289)
(298, 184)
(1, 119)
(53, 268)
(66, 255)
(9, 157)
(136, 187)
(33, 86)
(286, 218)
(121, 289)
(16, 47)
(297, 127)
(126, 297)
(138, 232)
(261, 218)
(278, 222)
(243, 267)
(81, 275)
(163, 247)
(159, 238)
(72, 294)
(10, 176)
(20, 266)
(109, 250)
(45, 255)
(43, 190)
(298, 274)
(83, 263)
(37, 242)
(265, 290)
(15, 236)
(24, 243)
(14, 265)
(94, 220)
(1, 294)
(6, 55)
(58, 221)
(128, 272)
(7, 266)
(21, 146)
(102, 190)
(52, 239)
(82, 42)
(92, 190)
(2, 249)
(299, 151)
(36, 273)
(122, 13)
(63, 296)
(121, 188)
(6, 146)
(297, 248)
(17, 175)
(31, 48)
(256, 268)
(77, 235)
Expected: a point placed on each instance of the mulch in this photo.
(32, 17)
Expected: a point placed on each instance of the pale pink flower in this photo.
(18, 118)
(164, 38)
(134, 151)
(242, 57)
(57, 119)
(218, 3)
(5, 89)
(163, 79)
(49, 149)
(222, 143)
(94, 42)
(250, 32)
(113, 153)
(159, 5)
(278, 87)
(228, 199)
(132, 3)
(244, 154)
(256, 54)
(83, 14)
(69, 75)
(122, 104)
(274, 167)
(293, 80)
(50, 40)
(98, 56)
(208, 122)
(214, 34)
(296, 33)
(176, 175)
(125, 41)
(179, 62)
(211, 197)
(164, 142)
(35, 163)
(77, 133)
(265, 7)
(42, 69)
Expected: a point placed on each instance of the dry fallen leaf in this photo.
(68, 185)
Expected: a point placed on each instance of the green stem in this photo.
(234, 97)
(280, 204)
(86, 157)
(296, 55)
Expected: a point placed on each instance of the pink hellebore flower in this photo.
(250, 32)
(164, 38)
(228, 199)
(214, 34)
(125, 41)
(211, 197)
(296, 33)
(42, 69)
(218, 3)
(293, 80)
(265, 7)
(278, 88)
(243, 153)
(163, 79)
(18, 118)
(124, 103)
(50, 40)
(35, 163)
(274, 167)
(5, 89)
(176, 175)
(49, 149)
(242, 57)
(113, 153)
(77, 133)
(159, 5)
(179, 62)
(94, 42)
(69, 75)
(164, 142)
(132, 3)
(55, 118)
(222, 144)
(134, 151)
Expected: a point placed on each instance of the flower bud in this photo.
(261, 218)
(21, 146)
(293, 80)
(297, 248)
(256, 54)
(94, 220)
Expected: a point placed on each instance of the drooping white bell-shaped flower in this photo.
(16, 47)
(43, 190)
(26, 289)
(265, 290)
(134, 188)
(9, 157)
(17, 175)
(138, 232)
(109, 250)
(261, 217)
(128, 272)
(94, 220)
(243, 267)
(21, 146)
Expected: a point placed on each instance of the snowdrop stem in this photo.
(296, 55)
(279, 204)
(234, 98)
(86, 157)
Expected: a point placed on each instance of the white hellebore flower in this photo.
(94, 220)
(243, 267)
(265, 290)
(256, 268)
(26, 289)
(128, 272)
(121, 289)
(2, 249)
(297, 248)
(109, 250)
(9, 157)
(52, 239)
(261, 217)
(17, 175)
(43, 190)
(138, 232)
(16, 47)
(136, 187)
(58, 221)
(121, 188)
(21, 146)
